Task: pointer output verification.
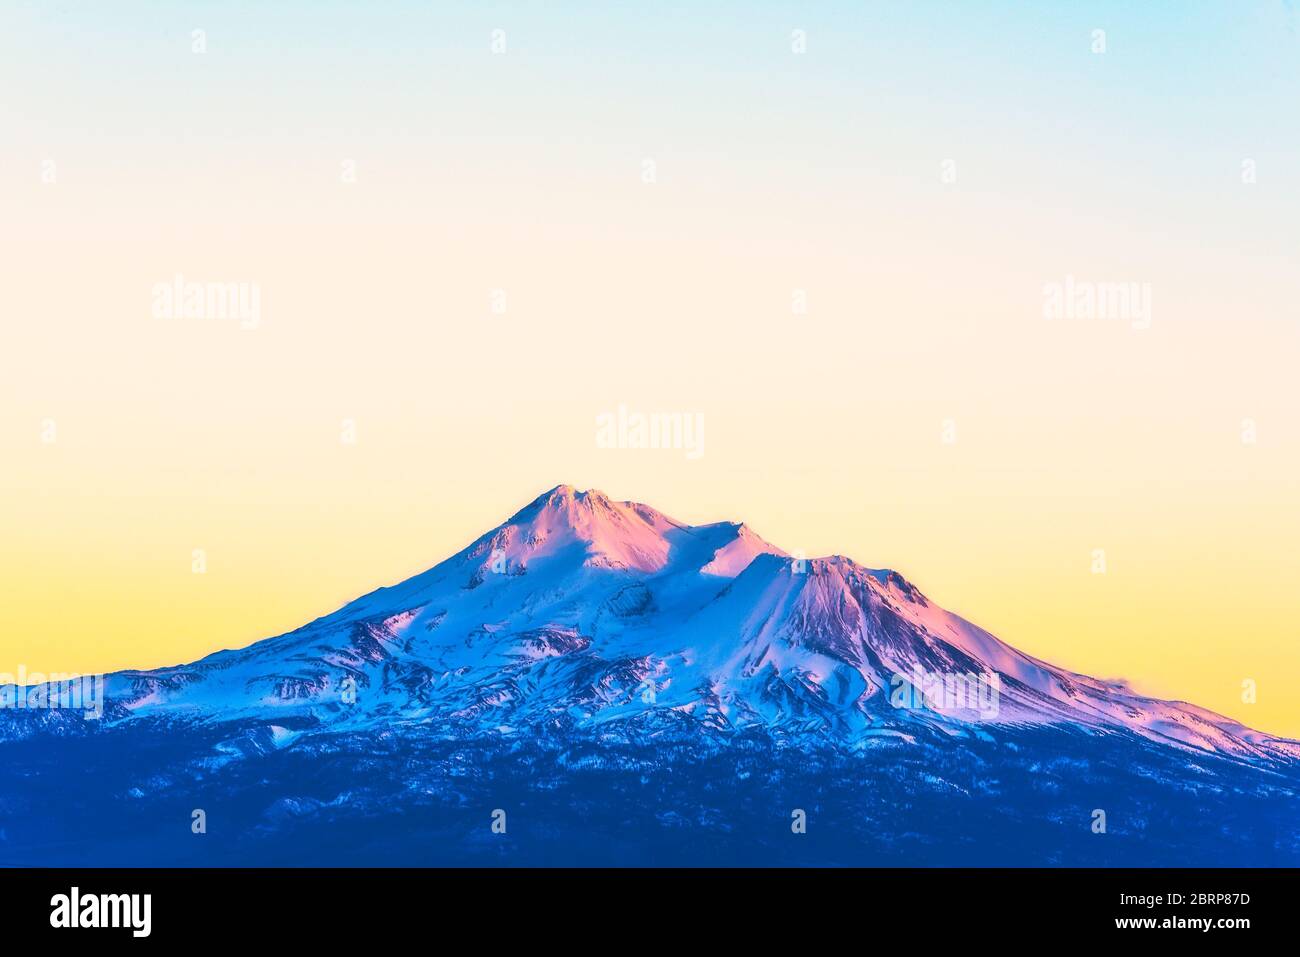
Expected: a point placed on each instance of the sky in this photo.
(832, 233)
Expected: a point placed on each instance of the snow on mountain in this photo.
(582, 609)
(637, 690)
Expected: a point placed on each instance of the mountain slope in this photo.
(597, 610)
(692, 673)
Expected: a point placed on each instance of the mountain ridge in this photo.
(634, 689)
(576, 591)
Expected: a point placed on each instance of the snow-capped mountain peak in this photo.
(585, 609)
(610, 534)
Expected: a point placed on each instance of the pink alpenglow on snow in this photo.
(716, 622)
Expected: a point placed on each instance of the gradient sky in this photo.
(523, 171)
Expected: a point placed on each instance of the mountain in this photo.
(587, 649)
